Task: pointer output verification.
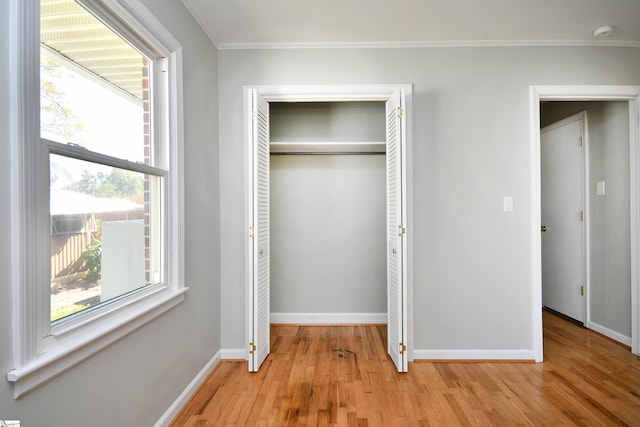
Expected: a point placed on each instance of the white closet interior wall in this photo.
(328, 211)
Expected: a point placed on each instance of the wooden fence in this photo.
(66, 254)
(67, 249)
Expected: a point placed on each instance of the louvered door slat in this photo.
(395, 311)
(261, 248)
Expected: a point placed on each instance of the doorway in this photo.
(630, 95)
(328, 214)
(397, 100)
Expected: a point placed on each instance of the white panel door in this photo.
(396, 214)
(260, 264)
(563, 193)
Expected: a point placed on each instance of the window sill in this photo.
(79, 348)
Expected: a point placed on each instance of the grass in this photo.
(68, 310)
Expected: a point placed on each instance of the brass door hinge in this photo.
(581, 215)
(252, 348)
(400, 112)
(401, 230)
(252, 232)
(580, 142)
(403, 348)
(582, 290)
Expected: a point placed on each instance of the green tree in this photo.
(93, 255)
(58, 171)
(125, 183)
(117, 184)
(56, 116)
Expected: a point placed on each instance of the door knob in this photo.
(543, 228)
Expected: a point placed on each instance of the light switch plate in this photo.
(600, 190)
(507, 203)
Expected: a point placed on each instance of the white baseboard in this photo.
(233, 354)
(186, 394)
(473, 355)
(329, 318)
(610, 333)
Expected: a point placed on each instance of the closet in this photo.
(339, 218)
(328, 212)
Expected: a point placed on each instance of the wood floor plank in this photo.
(341, 375)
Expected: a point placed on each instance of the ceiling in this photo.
(238, 24)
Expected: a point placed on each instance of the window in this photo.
(69, 224)
(97, 185)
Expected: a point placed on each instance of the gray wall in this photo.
(328, 227)
(6, 407)
(327, 121)
(610, 270)
(132, 382)
(611, 307)
(471, 147)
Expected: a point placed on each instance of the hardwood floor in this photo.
(318, 376)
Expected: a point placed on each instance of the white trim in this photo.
(81, 153)
(233, 354)
(634, 172)
(536, 222)
(328, 93)
(329, 318)
(52, 364)
(24, 126)
(173, 410)
(40, 355)
(334, 93)
(479, 355)
(408, 215)
(247, 131)
(175, 220)
(423, 44)
(610, 333)
(584, 93)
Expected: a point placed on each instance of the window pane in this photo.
(105, 230)
(93, 84)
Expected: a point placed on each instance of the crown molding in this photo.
(428, 44)
(201, 22)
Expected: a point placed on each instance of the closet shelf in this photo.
(327, 147)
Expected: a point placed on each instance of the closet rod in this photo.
(327, 153)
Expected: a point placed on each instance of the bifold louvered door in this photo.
(259, 231)
(396, 286)
(259, 256)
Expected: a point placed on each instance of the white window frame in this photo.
(41, 351)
